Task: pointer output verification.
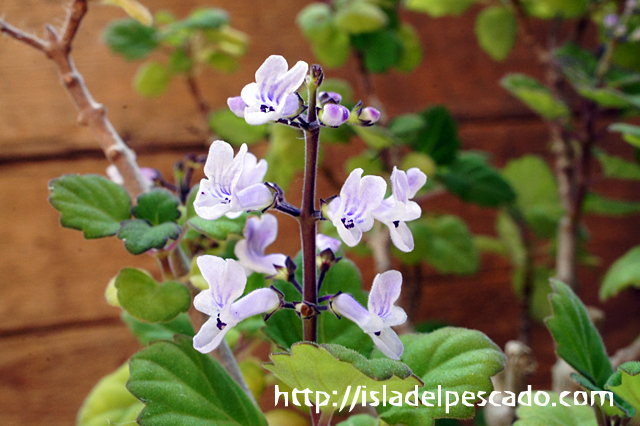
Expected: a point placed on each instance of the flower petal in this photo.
(255, 197)
(253, 171)
(388, 343)
(237, 105)
(208, 204)
(226, 278)
(384, 292)
(257, 302)
(288, 83)
(209, 336)
(416, 179)
(291, 105)
(271, 69)
(401, 236)
(259, 233)
(348, 307)
(324, 242)
(204, 303)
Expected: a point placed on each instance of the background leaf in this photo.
(438, 8)
(616, 167)
(555, 414)
(131, 39)
(625, 382)
(152, 79)
(91, 204)
(496, 29)
(624, 273)
(109, 402)
(179, 385)
(150, 332)
(146, 300)
(234, 129)
(535, 96)
(577, 339)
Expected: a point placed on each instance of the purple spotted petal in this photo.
(209, 336)
(226, 279)
(388, 343)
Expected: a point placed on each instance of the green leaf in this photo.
(360, 16)
(577, 339)
(539, 307)
(447, 360)
(91, 204)
(234, 129)
(158, 206)
(369, 161)
(179, 385)
(420, 160)
(555, 413)
(619, 407)
(133, 8)
(152, 79)
(381, 49)
(109, 402)
(625, 382)
(439, 136)
(328, 43)
(445, 243)
(597, 204)
(139, 236)
(407, 128)
(411, 55)
(131, 39)
(630, 133)
(285, 153)
(360, 420)
(535, 96)
(624, 273)
(314, 20)
(150, 332)
(146, 300)
(179, 61)
(333, 368)
(200, 19)
(471, 179)
(496, 30)
(607, 97)
(537, 193)
(549, 9)
(376, 137)
(438, 8)
(578, 64)
(616, 167)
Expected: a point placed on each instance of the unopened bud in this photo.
(306, 310)
(329, 97)
(364, 116)
(316, 76)
(334, 115)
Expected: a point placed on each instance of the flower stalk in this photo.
(307, 218)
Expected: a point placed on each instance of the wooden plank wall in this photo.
(57, 334)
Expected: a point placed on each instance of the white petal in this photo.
(257, 302)
(253, 171)
(250, 95)
(237, 105)
(416, 179)
(291, 105)
(255, 117)
(372, 189)
(351, 237)
(388, 343)
(204, 303)
(271, 69)
(207, 205)
(324, 242)
(288, 83)
(351, 186)
(219, 158)
(397, 316)
(384, 292)
(226, 278)
(209, 336)
(345, 305)
(401, 236)
(259, 233)
(400, 185)
(255, 197)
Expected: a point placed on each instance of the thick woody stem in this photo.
(307, 218)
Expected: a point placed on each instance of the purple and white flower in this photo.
(381, 314)
(334, 115)
(227, 281)
(398, 208)
(324, 242)
(232, 185)
(273, 95)
(351, 211)
(259, 233)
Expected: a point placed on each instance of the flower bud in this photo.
(329, 97)
(611, 20)
(306, 310)
(334, 115)
(369, 114)
(364, 116)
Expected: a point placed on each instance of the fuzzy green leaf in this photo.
(577, 339)
(447, 360)
(91, 204)
(535, 96)
(625, 382)
(146, 300)
(555, 413)
(109, 402)
(496, 30)
(158, 206)
(131, 39)
(139, 236)
(624, 273)
(150, 332)
(334, 369)
(181, 386)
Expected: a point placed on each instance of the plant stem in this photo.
(307, 218)
(325, 418)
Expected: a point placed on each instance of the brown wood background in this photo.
(57, 334)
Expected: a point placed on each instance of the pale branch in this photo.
(92, 114)
(630, 353)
